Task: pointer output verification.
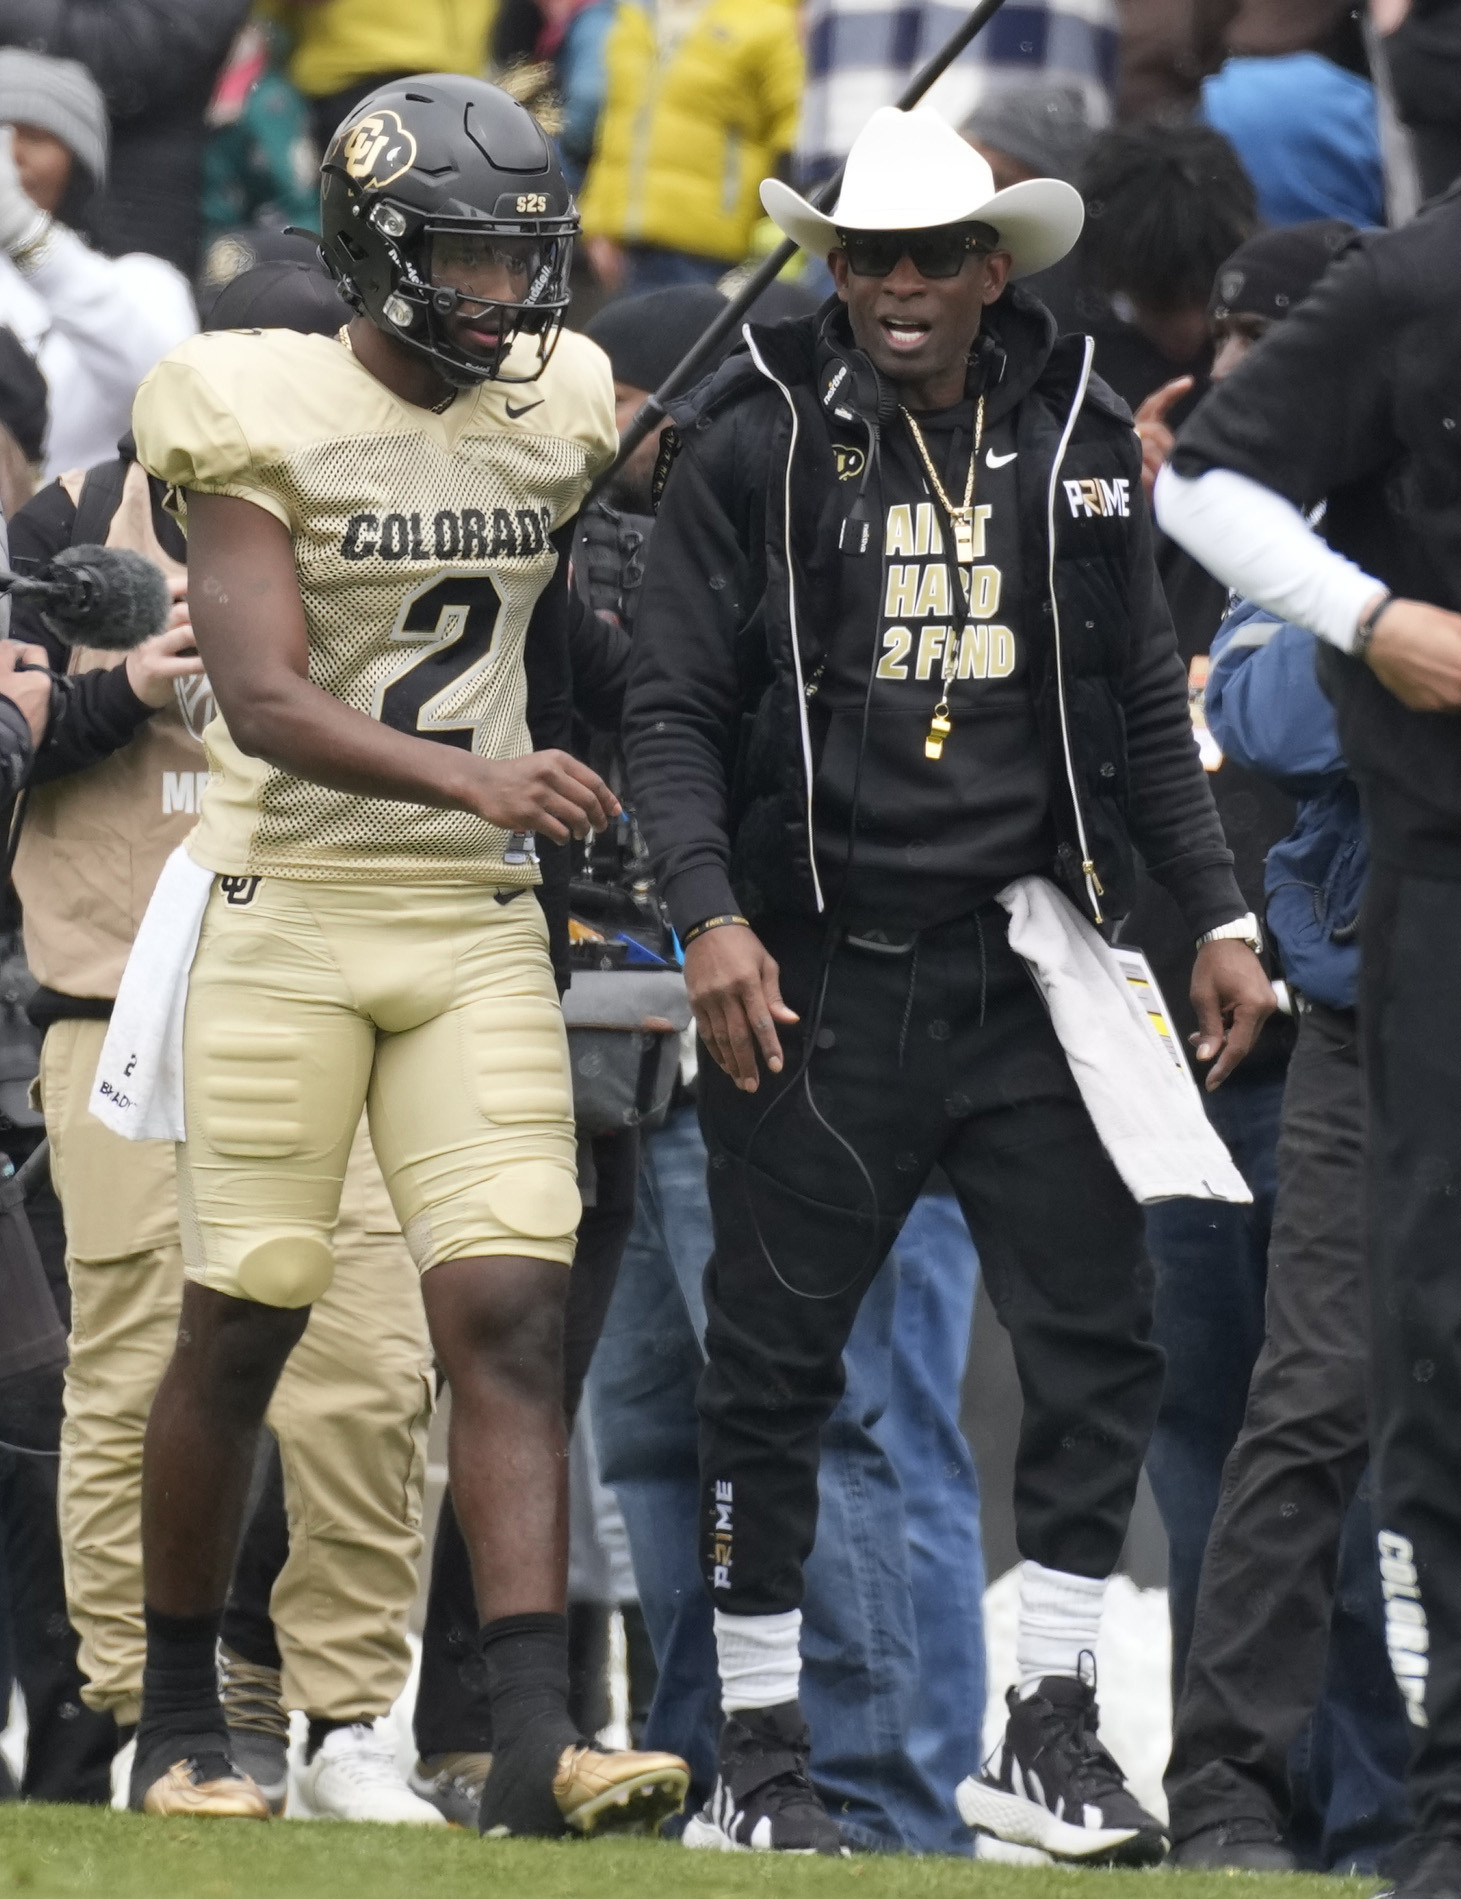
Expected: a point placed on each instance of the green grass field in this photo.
(75, 1850)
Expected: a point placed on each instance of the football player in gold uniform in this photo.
(376, 551)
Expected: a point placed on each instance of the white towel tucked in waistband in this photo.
(138, 1091)
(1146, 1108)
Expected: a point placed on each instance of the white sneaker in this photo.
(354, 1776)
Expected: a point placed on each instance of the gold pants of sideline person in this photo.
(350, 1413)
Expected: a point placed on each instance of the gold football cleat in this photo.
(620, 1792)
(181, 1790)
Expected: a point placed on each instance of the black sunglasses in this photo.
(938, 252)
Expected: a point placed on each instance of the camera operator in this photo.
(27, 694)
(25, 710)
(68, 1746)
(1353, 399)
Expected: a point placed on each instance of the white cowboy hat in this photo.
(908, 171)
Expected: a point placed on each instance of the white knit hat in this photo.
(910, 171)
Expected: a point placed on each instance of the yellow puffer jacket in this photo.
(686, 137)
(344, 40)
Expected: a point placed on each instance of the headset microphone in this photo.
(852, 390)
(107, 597)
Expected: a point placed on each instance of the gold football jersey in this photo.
(421, 544)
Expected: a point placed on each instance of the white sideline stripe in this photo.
(1022, 1823)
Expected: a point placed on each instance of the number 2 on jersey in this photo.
(455, 617)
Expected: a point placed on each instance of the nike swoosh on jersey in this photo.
(994, 461)
(515, 413)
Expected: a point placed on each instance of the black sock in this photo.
(180, 1678)
(321, 1725)
(525, 1659)
(526, 1662)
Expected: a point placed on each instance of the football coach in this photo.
(901, 642)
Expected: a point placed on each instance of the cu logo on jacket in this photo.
(1098, 498)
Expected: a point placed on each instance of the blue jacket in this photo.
(1308, 134)
(1267, 711)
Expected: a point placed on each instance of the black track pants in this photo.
(1261, 1639)
(1411, 1029)
(943, 1055)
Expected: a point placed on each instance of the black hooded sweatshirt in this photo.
(1083, 753)
(934, 836)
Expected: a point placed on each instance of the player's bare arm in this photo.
(249, 623)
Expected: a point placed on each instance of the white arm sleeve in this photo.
(1262, 547)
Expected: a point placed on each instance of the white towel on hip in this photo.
(1147, 1111)
(138, 1091)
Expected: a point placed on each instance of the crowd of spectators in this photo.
(153, 152)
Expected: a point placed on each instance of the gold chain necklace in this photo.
(962, 519)
(962, 516)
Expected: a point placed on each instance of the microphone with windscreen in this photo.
(108, 597)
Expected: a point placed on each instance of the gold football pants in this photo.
(350, 1412)
(432, 1007)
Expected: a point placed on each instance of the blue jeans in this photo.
(937, 1273)
(1211, 1264)
(880, 1759)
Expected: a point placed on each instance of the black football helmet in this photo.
(442, 167)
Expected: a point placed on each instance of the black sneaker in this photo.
(763, 1800)
(1056, 1788)
(1427, 1870)
(1239, 1845)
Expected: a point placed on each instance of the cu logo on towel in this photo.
(195, 702)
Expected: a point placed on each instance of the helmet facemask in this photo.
(454, 269)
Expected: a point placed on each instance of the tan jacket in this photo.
(93, 845)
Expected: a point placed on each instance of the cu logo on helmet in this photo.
(377, 149)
